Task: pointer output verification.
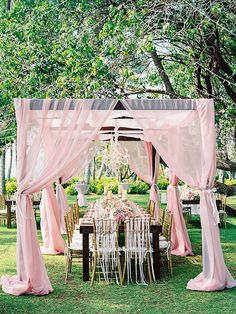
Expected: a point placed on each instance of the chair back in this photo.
(162, 215)
(69, 231)
(167, 225)
(137, 234)
(151, 208)
(105, 235)
(76, 213)
(138, 248)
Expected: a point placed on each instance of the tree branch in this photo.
(228, 190)
(165, 78)
(226, 165)
(128, 92)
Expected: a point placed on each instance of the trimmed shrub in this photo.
(97, 186)
(162, 183)
(70, 189)
(138, 187)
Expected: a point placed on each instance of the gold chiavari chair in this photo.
(138, 251)
(165, 244)
(105, 252)
(162, 215)
(76, 213)
(74, 246)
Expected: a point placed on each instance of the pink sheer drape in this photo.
(185, 139)
(180, 243)
(63, 206)
(50, 223)
(140, 159)
(215, 275)
(66, 128)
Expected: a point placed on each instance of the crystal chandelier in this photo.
(114, 156)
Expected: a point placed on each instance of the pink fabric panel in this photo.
(185, 139)
(180, 242)
(63, 205)
(49, 141)
(50, 223)
(215, 275)
(31, 275)
(141, 162)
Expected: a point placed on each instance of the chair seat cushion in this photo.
(75, 247)
(164, 244)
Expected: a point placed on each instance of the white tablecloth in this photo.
(81, 188)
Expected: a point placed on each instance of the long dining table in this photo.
(87, 228)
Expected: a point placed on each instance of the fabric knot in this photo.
(213, 203)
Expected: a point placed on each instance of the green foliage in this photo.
(73, 180)
(230, 181)
(70, 189)
(11, 186)
(162, 183)
(111, 183)
(138, 187)
(97, 186)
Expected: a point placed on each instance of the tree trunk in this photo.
(226, 164)
(163, 75)
(8, 5)
(101, 170)
(88, 174)
(94, 168)
(3, 179)
(10, 163)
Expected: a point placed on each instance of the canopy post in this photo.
(153, 160)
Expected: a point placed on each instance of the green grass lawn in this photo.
(169, 295)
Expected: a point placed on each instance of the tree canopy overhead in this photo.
(109, 48)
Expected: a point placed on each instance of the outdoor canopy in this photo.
(53, 135)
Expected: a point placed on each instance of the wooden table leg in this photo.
(85, 257)
(8, 216)
(156, 255)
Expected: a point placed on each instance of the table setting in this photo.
(113, 208)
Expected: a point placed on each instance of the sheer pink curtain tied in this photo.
(185, 139)
(52, 135)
